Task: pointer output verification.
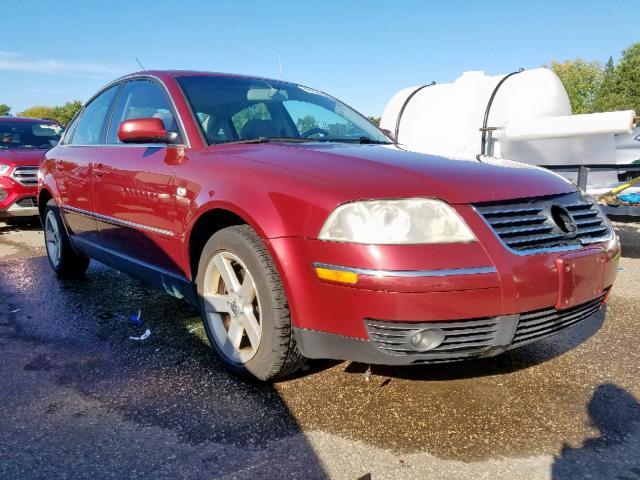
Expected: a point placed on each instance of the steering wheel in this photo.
(314, 131)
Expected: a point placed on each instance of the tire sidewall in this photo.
(65, 245)
(232, 241)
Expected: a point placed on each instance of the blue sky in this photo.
(359, 51)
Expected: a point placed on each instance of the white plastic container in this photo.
(531, 112)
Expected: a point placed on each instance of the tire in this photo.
(63, 259)
(248, 325)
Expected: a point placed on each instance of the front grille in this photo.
(478, 337)
(27, 176)
(543, 323)
(531, 225)
(463, 339)
(28, 202)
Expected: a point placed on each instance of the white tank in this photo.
(531, 112)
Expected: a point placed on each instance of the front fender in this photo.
(47, 182)
(276, 202)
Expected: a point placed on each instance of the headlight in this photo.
(4, 169)
(412, 221)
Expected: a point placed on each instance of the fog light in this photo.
(427, 339)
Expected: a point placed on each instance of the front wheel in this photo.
(244, 306)
(63, 259)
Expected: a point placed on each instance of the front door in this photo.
(134, 185)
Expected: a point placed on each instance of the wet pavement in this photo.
(80, 399)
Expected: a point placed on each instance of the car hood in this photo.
(387, 171)
(25, 157)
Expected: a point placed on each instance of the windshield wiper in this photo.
(266, 140)
(367, 140)
(292, 139)
(248, 140)
(361, 140)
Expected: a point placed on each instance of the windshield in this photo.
(16, 134)
(245, 109)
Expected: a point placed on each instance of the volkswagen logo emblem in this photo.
(563, 219)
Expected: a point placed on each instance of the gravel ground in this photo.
(80, 399)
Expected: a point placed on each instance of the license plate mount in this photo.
(580, 277)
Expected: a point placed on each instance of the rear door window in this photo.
(90, 127)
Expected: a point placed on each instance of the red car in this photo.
(301, 231)
(23, 142)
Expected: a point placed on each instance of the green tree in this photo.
(37, 111)
(582, 80)
(63, 114)
(374, 120)
(306, 123)
(620, 89)
(5, 110)
(608, 68)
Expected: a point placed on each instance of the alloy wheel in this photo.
(232, 307)
(52, 238)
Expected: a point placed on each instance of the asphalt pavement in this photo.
(81, 399)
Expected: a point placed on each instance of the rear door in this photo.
(133, 184)
(73, 164)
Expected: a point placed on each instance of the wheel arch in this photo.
(205, 224)
(44, 195)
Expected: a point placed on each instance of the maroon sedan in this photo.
(23, 142)
(301, 231)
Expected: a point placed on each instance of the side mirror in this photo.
(145, 130)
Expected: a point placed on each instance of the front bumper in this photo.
(483, 280)
(389, 343)
(17, 200)
(25, 207)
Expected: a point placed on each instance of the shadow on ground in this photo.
(157, 398)
(629, 234)
(19, 224)
(615, 452)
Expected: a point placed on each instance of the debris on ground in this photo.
(144, 336)
(632, 198)
(136, 318)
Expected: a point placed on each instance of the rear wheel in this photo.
(63, 259)
(244, 306)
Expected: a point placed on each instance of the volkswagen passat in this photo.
(301, 231)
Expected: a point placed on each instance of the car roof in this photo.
(27, 119)
(195, 73)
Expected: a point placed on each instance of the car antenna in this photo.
(140, 63)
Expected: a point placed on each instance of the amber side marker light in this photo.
(338, 276)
